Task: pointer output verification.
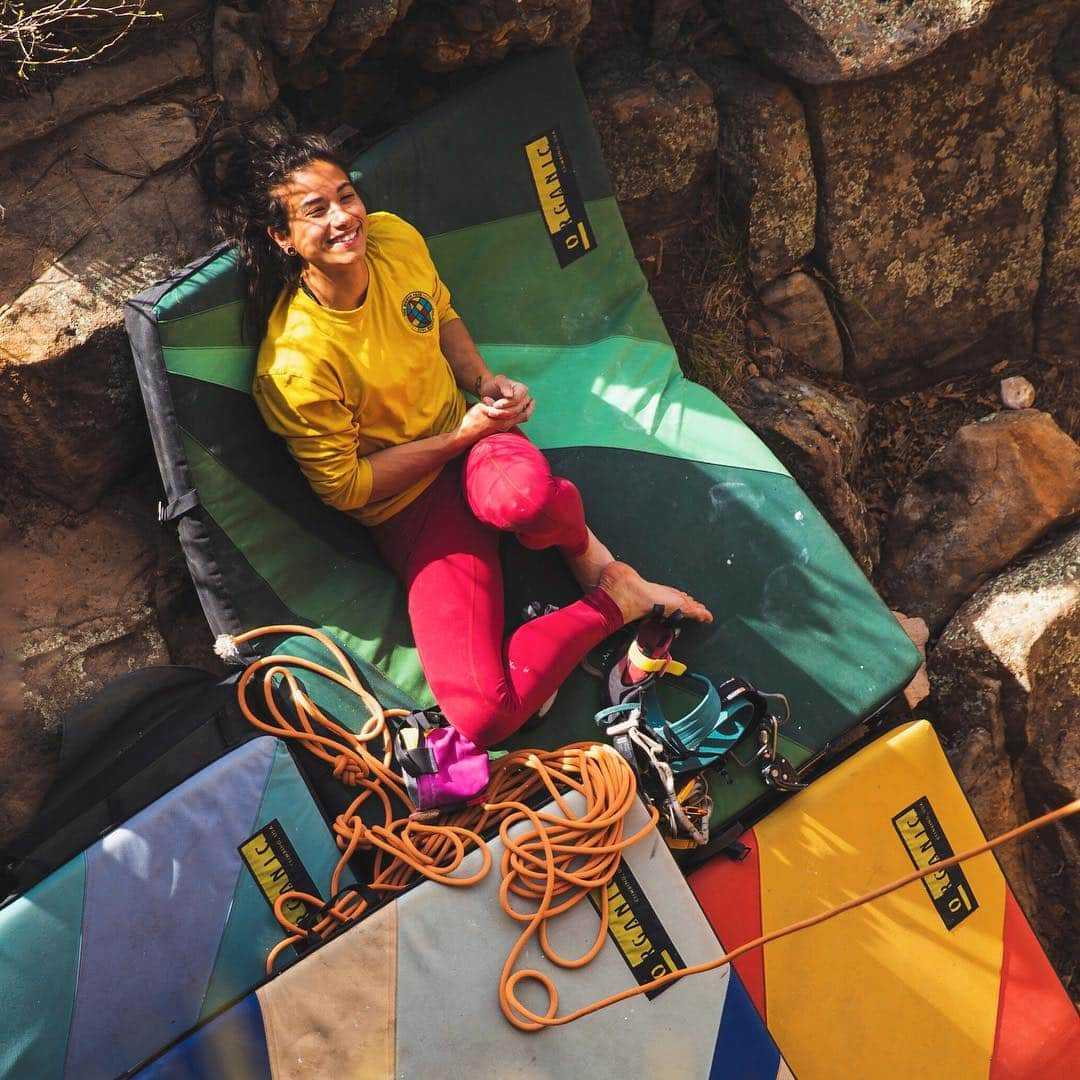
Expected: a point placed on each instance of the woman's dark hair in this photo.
(246, 206)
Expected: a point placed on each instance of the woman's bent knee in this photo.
(488, 722)
(508, 483)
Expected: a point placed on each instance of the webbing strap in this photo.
(663, 665)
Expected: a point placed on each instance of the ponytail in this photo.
(247, 204)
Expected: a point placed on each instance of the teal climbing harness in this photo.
(666, 721)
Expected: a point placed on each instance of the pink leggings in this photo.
(445, 548)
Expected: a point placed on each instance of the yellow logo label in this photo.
(926, 844)
(636, 930)
(276, 868)
(560, 201)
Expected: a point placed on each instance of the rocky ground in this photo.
(856, 229)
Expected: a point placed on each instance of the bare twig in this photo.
(52, 33)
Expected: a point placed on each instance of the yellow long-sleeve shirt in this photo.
(339, 385)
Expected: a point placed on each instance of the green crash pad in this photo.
(672, 480)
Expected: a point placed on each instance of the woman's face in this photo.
(327, 222)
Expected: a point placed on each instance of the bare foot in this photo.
(636, 596)
(588, 567)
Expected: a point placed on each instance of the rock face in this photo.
(670, 19)
(83, 621)
(356, 25)
(823, 41)
(56, 189)
(658, 128)
(818, 436)
(612, 24)
(989, 493)
(97, 88)
(933, 184)
(988, 778)
(1057, 318)
(292, 24)
(797, 316)
(71, 420)
(764, 168)
(1006, 683)
(77, 611)
(242, 74)
(445, 37)
(27, 751)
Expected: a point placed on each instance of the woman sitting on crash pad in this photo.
(361, 369)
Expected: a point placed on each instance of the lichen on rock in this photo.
(823, 41)
(933, 183)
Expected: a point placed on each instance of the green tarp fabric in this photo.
(672, 480)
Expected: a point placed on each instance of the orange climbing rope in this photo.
(547, 868)
(571, 854)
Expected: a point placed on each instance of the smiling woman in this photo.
(361, 369)
(326, 228)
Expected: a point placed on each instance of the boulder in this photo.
(797, 316)
(818, 435)
(987, 495)
(765, 172)
(56, 189)
(1006, 684)
(356, 25)
(823, 41)
(71, 419)
(658, 128)
(1057, 316)
(932, 189)
(471, 33)
(243, 73)
(290, 25)
(94, 88)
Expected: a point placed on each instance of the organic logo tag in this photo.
(560, 200)
(925, 842)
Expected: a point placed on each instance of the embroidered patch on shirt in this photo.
(419, 311)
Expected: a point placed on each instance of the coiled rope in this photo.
(550, 863)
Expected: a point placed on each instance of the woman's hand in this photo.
(504, 394)
(483, 419)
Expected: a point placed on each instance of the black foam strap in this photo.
(178, 507)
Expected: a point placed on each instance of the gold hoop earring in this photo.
(290, 251)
